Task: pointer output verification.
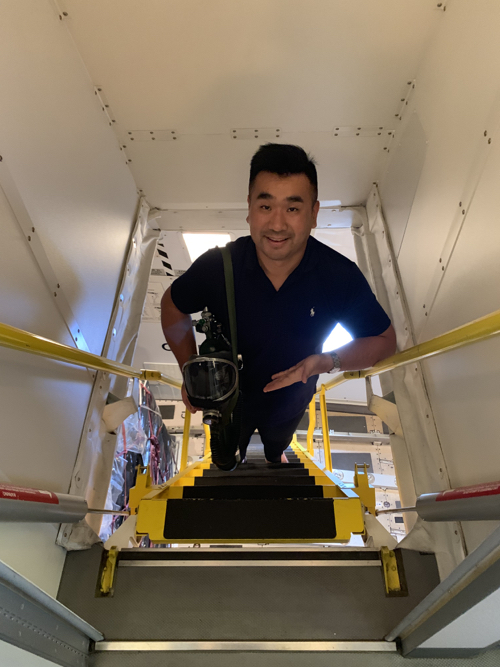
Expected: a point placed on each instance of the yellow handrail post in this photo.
(312, 425)
(206, 428)
(185, 440)
(326, 429)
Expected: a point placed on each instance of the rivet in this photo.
(29, 238)
(175, 138)
(486, 133)
(59, 287)
(55, 293)
(1, 158)
(442, 268)
(489, 141)
(463, 211)
(440, 260)
(65, 13)
(32, 229)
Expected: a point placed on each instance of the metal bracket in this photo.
(392, 567)
(107, 578)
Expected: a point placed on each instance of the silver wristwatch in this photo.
(336, 362)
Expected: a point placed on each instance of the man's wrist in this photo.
(336, 364)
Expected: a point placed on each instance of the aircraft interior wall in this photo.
(65, 163)
(439, 196)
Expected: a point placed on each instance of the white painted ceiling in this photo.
(203, 68)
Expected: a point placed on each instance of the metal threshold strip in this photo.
(250, 563)
(326, 647)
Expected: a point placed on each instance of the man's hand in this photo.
(313, 365)
(359, 353)
(185, 400)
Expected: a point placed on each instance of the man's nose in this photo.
(278, 220)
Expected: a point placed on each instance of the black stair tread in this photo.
(262, 459)
(253, 480)
(258, 520)
(264, 471)
(250, 465)
(253, 492)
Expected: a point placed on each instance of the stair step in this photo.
(253, 492)
(250, 465)
(264, 471)
(256, 520)
(253, 480)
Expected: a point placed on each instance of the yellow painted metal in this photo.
(312, 426)
(321, 478)
(142, 487)
(326, 429)
(348, 518)
(473, 332)
(363, 489)
(17, 339)
(391, 572)
(206, 428)
(151, 518)
(109, 570)
(185, 440)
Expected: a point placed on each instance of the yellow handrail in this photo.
(17, 339)
(207, 451)
(312, 425)
(479, 329)
(326, 429)
(185, 440)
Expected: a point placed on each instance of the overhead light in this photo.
(197, 244)
(326, 203)
(336, 339)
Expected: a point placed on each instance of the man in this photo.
(290, 292)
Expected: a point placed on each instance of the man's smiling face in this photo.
(281, 214)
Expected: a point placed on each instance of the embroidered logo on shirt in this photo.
(313, 312)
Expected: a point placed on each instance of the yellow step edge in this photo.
(177, 492)
(348, 513)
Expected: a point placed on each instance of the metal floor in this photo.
(489, 659)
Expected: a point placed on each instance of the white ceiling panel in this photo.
(202, 68)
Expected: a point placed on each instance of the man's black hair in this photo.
(284, 160)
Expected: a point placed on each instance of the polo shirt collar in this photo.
(306, 263)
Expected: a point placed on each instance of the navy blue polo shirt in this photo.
(279, 328)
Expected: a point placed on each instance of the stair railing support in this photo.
(326, 429)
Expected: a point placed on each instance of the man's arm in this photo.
(178, 330)
(356, 355)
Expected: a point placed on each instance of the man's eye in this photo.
(265, 207)
(293, 209)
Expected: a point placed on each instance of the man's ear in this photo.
(248, 202)
(315, 214)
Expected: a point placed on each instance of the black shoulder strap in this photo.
(231, 308)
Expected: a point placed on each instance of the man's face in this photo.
(281, 215)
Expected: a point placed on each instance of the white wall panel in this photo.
(64, 159)
(456, 102)
(15, 657)
(457, 84)
(72, 178)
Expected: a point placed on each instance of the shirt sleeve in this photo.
(362, 315)
(196, 288)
